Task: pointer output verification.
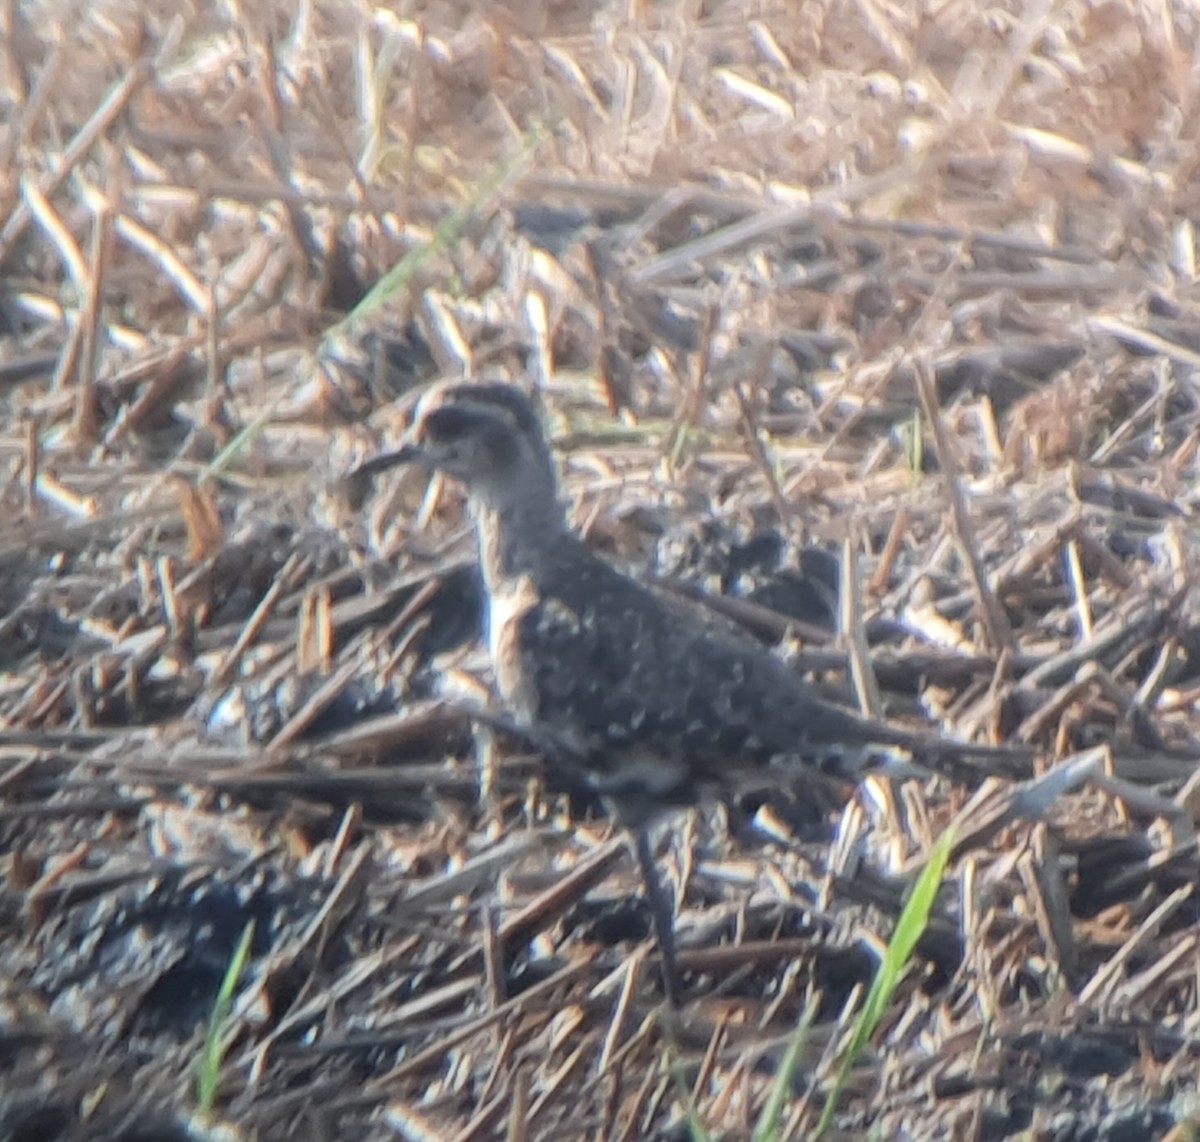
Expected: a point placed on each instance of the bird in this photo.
(645, 700)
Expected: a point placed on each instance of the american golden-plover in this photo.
(641, 699)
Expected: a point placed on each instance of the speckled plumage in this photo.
(655, 705)
(647, 701)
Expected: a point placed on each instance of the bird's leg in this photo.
(662, 909)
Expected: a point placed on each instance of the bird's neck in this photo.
(518, 533)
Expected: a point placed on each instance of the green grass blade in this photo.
(908, 931)
(209, 1071)
(446, 233)
(695, 1126)
(916, 443)
(767, 1127)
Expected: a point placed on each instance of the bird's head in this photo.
(474, 444)
(487, 436)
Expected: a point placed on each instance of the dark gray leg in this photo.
(662, 909)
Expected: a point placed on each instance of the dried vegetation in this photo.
(882, 319)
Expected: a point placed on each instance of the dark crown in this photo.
(482, 432)
(450, 423)
(498, 397)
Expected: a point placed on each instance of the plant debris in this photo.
(875, 325)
